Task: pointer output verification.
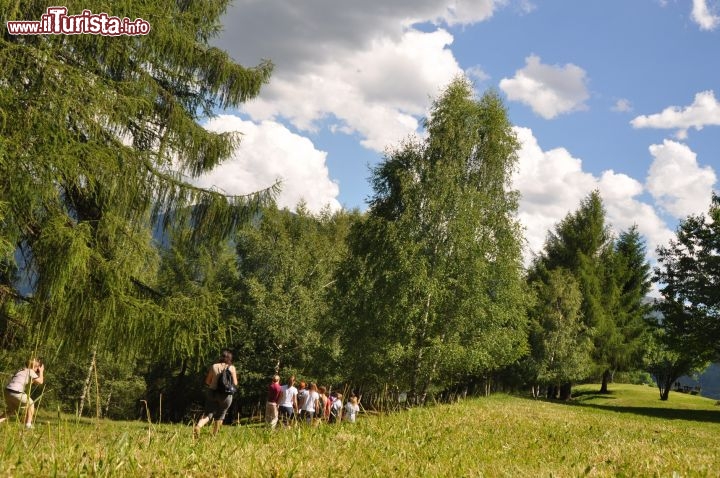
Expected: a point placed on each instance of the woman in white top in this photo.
(352, 408)
(310, 405)
(288, 402)
(17, 390)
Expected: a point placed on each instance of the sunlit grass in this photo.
(627, 433)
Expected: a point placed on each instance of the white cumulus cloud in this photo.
(378, 92)
(269, 152)
(552, 183)
(361, 66)
(550, 90)
(702, 15)
(677, 182)
(704, 111)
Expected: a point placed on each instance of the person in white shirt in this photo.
(288, 404)
(310, 404)
(352, 408)
(336, 407)
(17, 391)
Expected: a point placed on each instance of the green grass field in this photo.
(627, 433)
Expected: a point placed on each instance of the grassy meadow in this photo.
(627, 433)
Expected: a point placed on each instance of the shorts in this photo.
(287, 414)
(307, 415)
(217, 404)
(14, 400)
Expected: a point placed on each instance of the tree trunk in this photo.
(566, 391)
(420, 344)
(86, 385)
(433, 370)
(177, 405)
(607, 375)
(552, 392)
(107, 403)
(665, 386)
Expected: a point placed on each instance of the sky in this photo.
(619, 96)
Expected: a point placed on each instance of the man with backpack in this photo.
(221, 381)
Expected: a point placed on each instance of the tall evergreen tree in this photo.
(197, 291)
(104, 135)
(630, 284)
(432, 290)
(559, 342)
(582, 244)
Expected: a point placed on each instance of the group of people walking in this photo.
(307, 403)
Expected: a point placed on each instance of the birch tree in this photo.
(431, 292)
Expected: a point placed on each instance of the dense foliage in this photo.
(613, 279)
(103, 137)
(688, 324)
(431, 292)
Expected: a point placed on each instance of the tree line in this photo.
(118, 270)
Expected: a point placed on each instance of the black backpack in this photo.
(225, 382)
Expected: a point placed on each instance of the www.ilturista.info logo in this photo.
(56, 21)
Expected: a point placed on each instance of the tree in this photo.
(688, 322)
(559, 340)
(613, 277)
(667, 362)
(197, 291)
(287, 263)
(689, 278)
(629, 271)
(582, 244)
(103, 137)
(431, 290)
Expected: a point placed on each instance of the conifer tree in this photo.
(582, 244)
(629, 306)
(100, 136)
(559, 342)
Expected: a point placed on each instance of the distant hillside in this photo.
(708, 381)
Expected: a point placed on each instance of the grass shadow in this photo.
(583, 395)
(705, 416)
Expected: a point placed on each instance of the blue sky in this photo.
(621, 96)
